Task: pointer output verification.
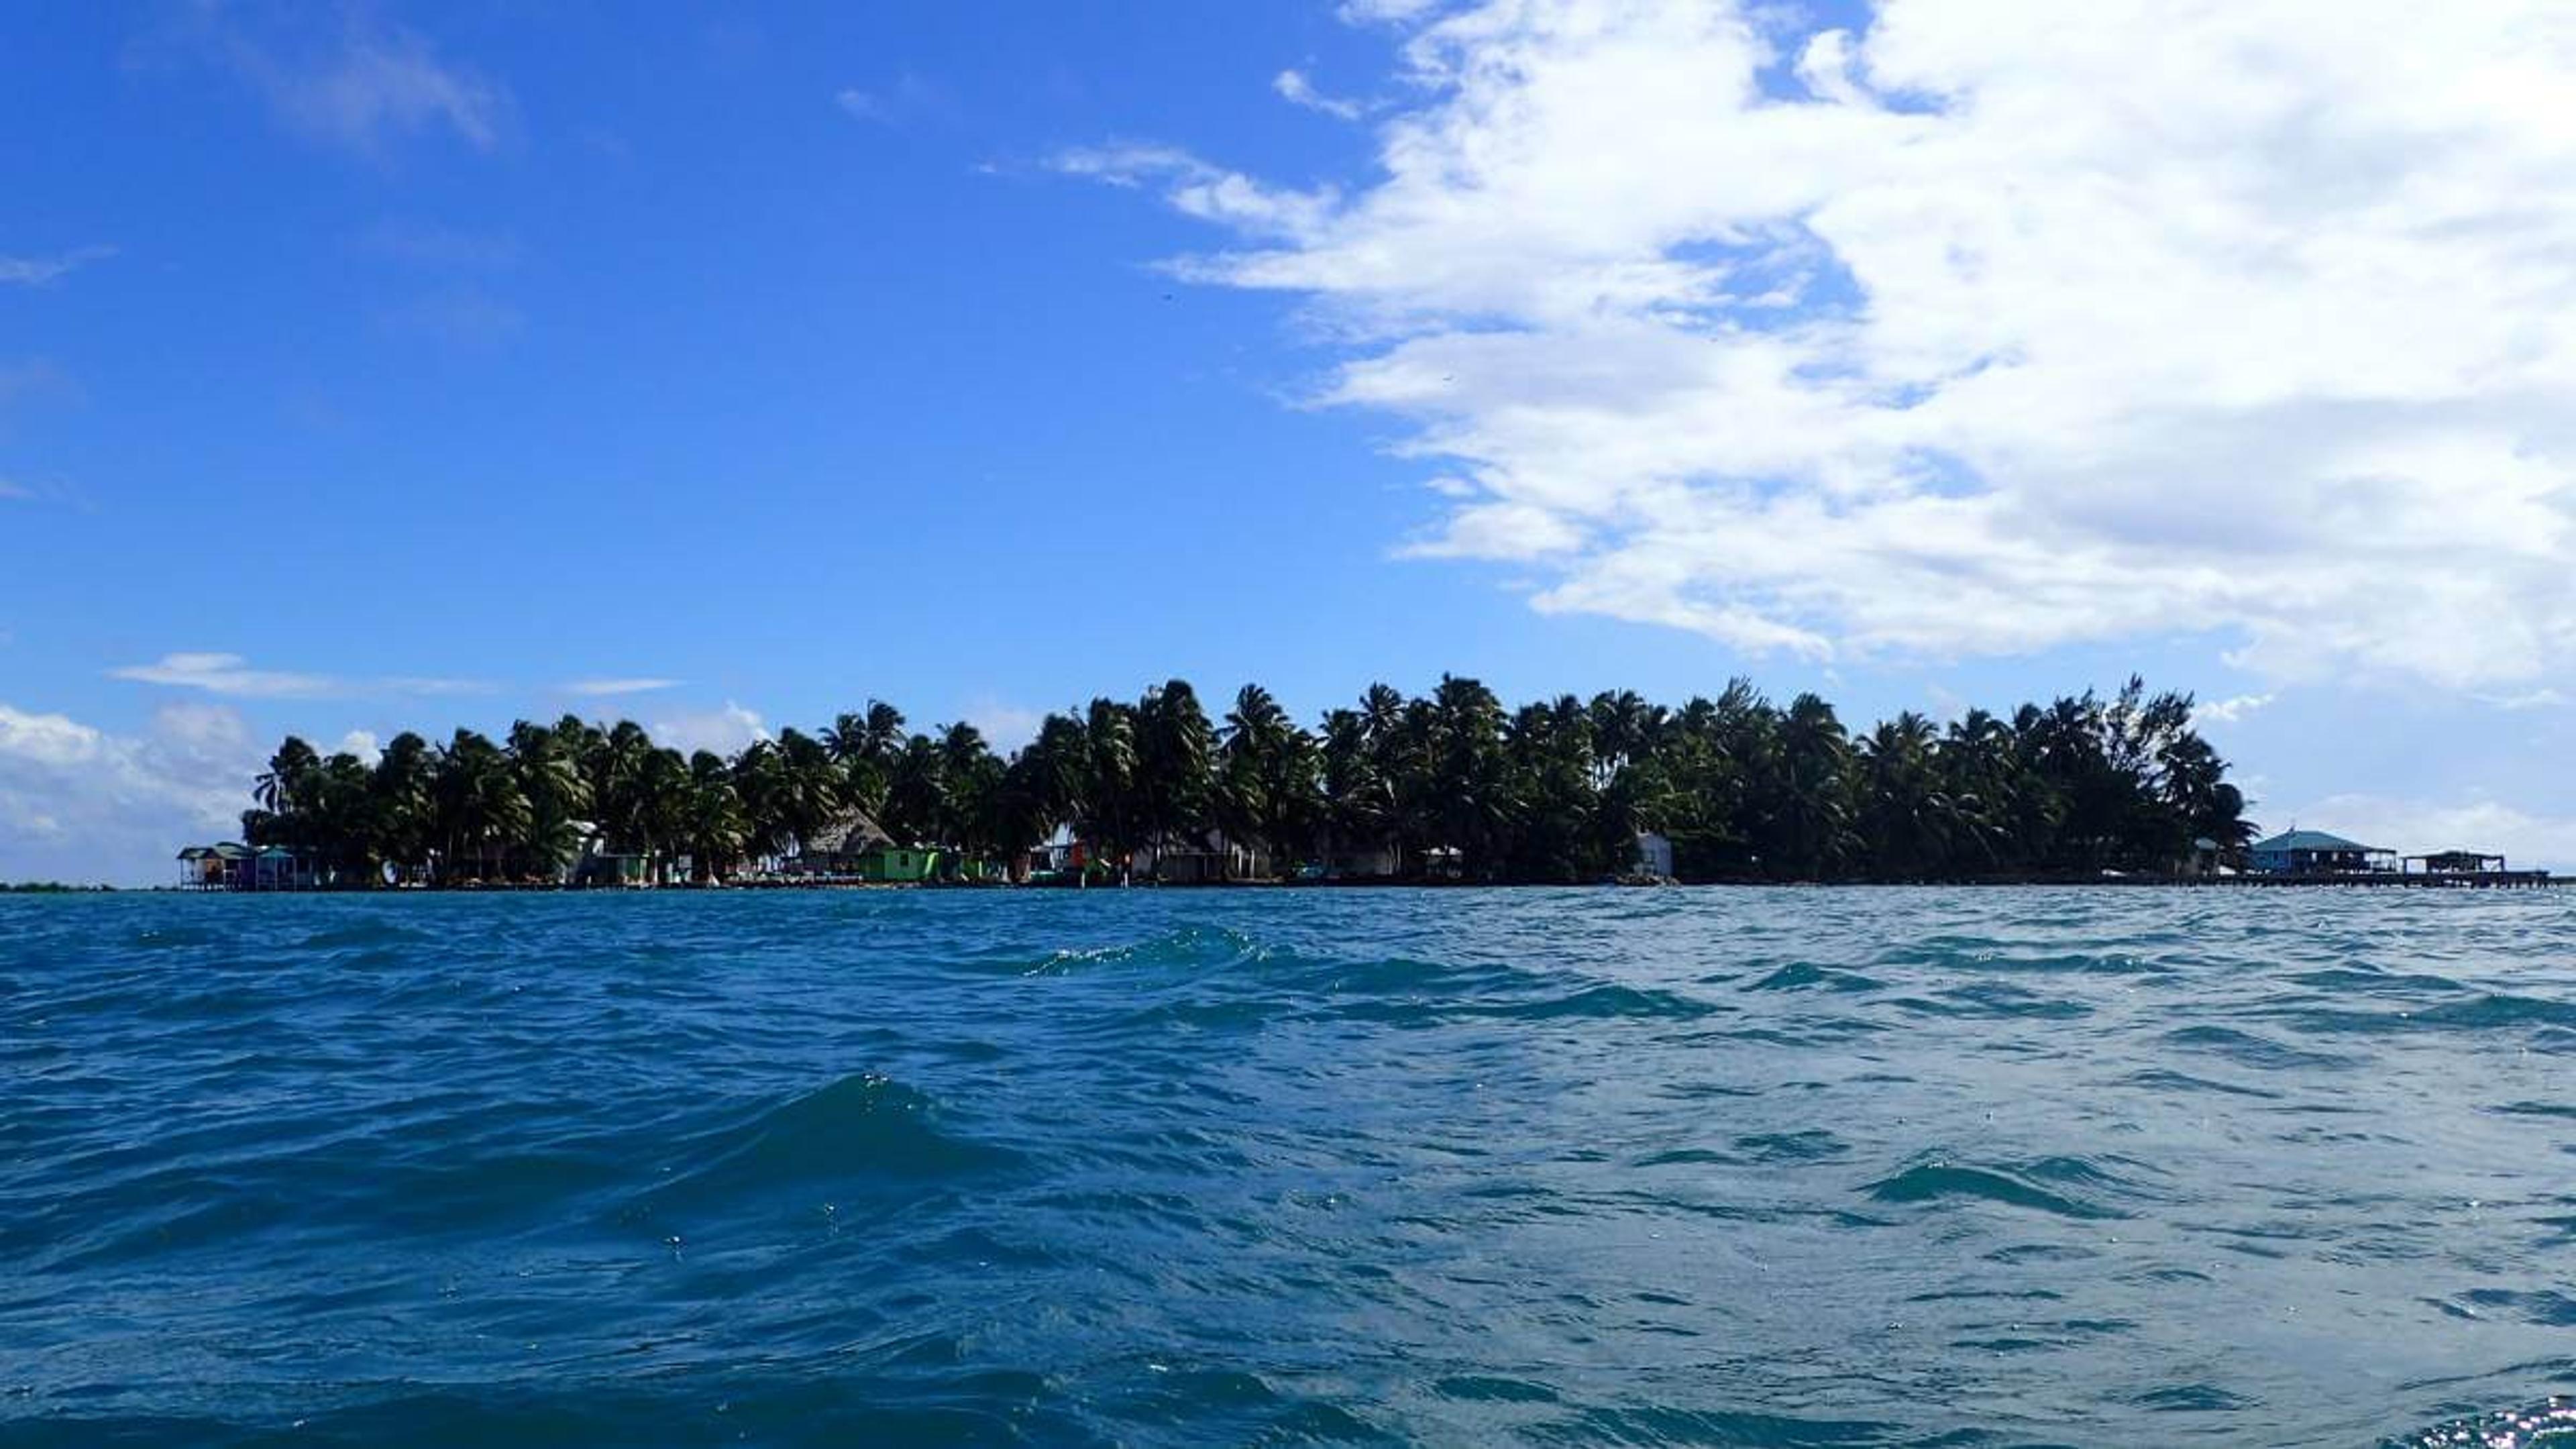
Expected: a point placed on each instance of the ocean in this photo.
(1813, 1167)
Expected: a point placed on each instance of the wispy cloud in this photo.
(908, 97)
(40, 271)
(354, 80)
(602, 688)
(2541, 698)
(232, 675)
(1297, 90)
(226, 674)
(1207, 192)
(51, 490)
(2229, 711)
(426, 685)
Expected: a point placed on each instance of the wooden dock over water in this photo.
(2421, 879)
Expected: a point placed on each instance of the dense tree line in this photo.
(1553, 791)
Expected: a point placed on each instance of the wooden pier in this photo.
(2420, 879)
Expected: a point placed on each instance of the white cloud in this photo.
(909, 96)
(358, 81)
(2541, 698)
(364, 745)
(79, 803)
(212, 725)
(1206, 192)
(37, 271)
(1366, 11)
(2416, 827)
(596, 688)
(1294, 88)
(225, 674)
(721, 730)
(1986, 329)
(2229, 711)
(231, 674)
(421, 684)
(15, 491)
(45, 739)
(1005, 727)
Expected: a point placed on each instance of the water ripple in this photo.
(1863, 1167)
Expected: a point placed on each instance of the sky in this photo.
(373, 366)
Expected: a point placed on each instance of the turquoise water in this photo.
(1735, 1167)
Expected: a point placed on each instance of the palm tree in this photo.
(479, 806)
(1267, 790)
(1109, 804)
(916, 796)
(814, 790)
(1057, 765)
(1466, 774)
(1381, 710)
(1359, 807)
(401, 789)
(970, 782)
(342, 822)
(1907, 820)
(1407, 755)
(1551, 791)
(1623, 725)
(613, 765)
(1981, 776)
(1174, 746)
(664, 794)
(1554, 781)
(547, 768)
(864, 745)
(285, 786)
(760, 787)
(713, 820)
(1041, 788)
(1811, 814)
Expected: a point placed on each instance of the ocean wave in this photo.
(2253, 1049)
(864, 1135)
(1805, 976)
(2538, 1427)
(2051, 1185)
(373, 931)
(1186, 948)
(1896, 1168)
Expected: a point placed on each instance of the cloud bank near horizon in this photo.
(1982, 330)
(82, 804)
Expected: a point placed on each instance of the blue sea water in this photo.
(1733, 1167)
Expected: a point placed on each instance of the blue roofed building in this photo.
(2314, 852)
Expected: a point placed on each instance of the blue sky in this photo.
(376, 366)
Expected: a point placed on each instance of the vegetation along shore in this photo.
(1451, 785)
